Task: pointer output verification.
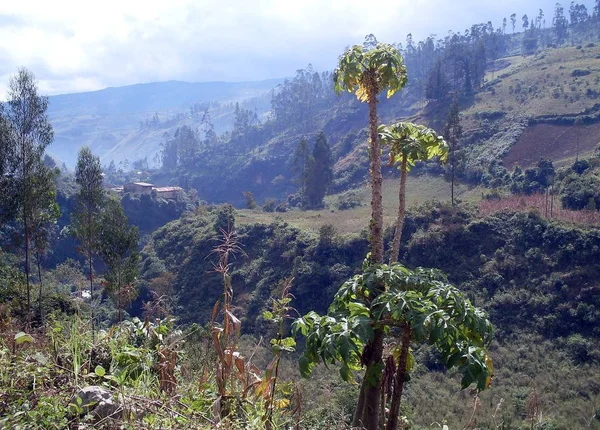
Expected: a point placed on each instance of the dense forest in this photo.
(385, 249)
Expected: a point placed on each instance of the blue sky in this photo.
(80, 45)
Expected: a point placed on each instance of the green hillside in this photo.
(538, 279)
(313, 253)
(527, 108)
(421, 189)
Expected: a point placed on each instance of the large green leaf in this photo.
(22, 337)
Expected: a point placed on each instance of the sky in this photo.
(84, 45)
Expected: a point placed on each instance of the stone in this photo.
(97, 401)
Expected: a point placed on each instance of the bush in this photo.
(578, 191)
(327, 235)
(578, 73)
(250, 202)
(580, 166)
(348, 200)
(269, 205)
(294, 200)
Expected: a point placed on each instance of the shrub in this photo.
(580, 166)
(327, 235)
(269, 205)
(348, 200)
(250, 202)
(578, 72)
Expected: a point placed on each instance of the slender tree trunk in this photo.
(401, 213)
(452, 174)
(119, 299)
(577, 153)
(357, 418)
(91, 269)
(376, 227)
(302, 187)
(27, 269)
(26, 193)
(399, 378)
(373, 352)
(41, 310)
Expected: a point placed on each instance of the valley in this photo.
(409, 241)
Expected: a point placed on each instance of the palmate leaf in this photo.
(383, 63)
(422, 299)
(416, 142)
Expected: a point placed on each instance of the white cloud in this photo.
(78, 45)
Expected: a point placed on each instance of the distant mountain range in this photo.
(108, 120)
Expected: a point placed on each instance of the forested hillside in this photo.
(519, 96)
(538, 279)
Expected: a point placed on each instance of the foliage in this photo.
(27, 180)
(274, 251)
(416, 142)
(409, 143)
(348, 200)
(300, 167)
(579, 185)
(421, 303)
(118, 247)
(148, 212)
(250, 202)
(361, 67)
(43, 220)
(280, 311)
(319, 173)
(298, 101)
(86, 219)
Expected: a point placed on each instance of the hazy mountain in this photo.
(108, 121)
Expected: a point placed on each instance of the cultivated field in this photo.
(557, 142)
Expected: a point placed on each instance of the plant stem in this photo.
(399, 378)
(401, 213)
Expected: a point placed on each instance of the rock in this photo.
(95, 400)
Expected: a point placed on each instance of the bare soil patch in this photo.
(556, 142)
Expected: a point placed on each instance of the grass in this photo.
(565, 393)
(528, 84)
(420, 189)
